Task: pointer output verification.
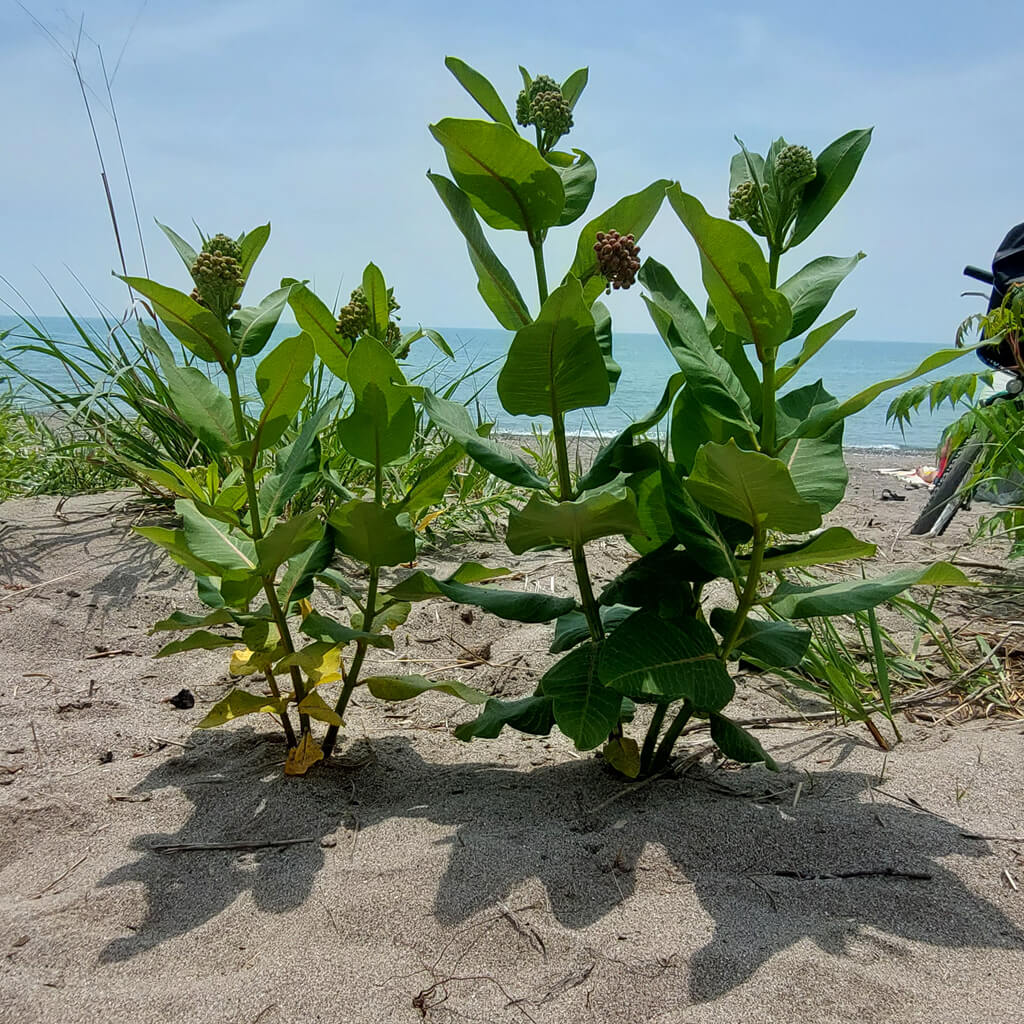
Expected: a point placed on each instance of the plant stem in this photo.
(286, 722)
(537, 244)
(651, 739)
(674, 731)
(749, 595)
(352, 678)
(256, 530)
(369, 612)
(565, 488)
(768, 367)
(768, 404)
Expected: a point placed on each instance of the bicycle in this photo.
(1004, 353)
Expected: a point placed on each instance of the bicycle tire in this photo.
(941, 505)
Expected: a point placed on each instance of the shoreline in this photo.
(856, 456)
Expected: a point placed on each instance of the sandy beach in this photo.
(152, 873)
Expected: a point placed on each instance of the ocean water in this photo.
(845, 366)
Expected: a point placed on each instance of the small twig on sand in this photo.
(60, 878)
(527, 931)
(106, 654)
(163, 741)
(915, 876)
(251, 844)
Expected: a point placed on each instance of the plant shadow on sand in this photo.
(768, 875)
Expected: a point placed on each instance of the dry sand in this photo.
(509, 880)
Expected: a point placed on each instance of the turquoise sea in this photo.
(845, 366)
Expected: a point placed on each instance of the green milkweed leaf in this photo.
(507, 180)
(584, 708)
(481, 90)
(751, 487)
(555, 364)
(804, 602)
(650, 658)
(397, 688)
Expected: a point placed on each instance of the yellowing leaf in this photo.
(321, 661)
(304, 607)
(303, 757)
(316, 707)
(245, 662)
(623, 755)
(238, 703)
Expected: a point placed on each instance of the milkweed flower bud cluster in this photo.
(794, 167)
(217, 273)
(354, 318)
(745, 204)
(617, 259)
(544, 105)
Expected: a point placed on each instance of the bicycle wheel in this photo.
(945, 500)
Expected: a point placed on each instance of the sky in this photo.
(313, 115)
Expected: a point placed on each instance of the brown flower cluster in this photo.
(617, 258)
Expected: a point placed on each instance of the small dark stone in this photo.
(107, 757)
(182, 700)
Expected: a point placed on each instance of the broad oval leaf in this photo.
(316, 707)
(397, 688)
(251, 243)
(751, 487)
(375, 292)
(203, 406)
(372, 534)
(585, 709)
(683, 330)
(804, 602)
(623, 754)
(555, 364)
(775, 644)
(281, 382)
(648, 657)
(287, 539)
(531, 715)
(296, 465)
(303, 566)
(735, 275)
(570, 523)
(507, 180)
(239, 703)
(823, 421)
(216, 543)
(572, 628)
(200, 640)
